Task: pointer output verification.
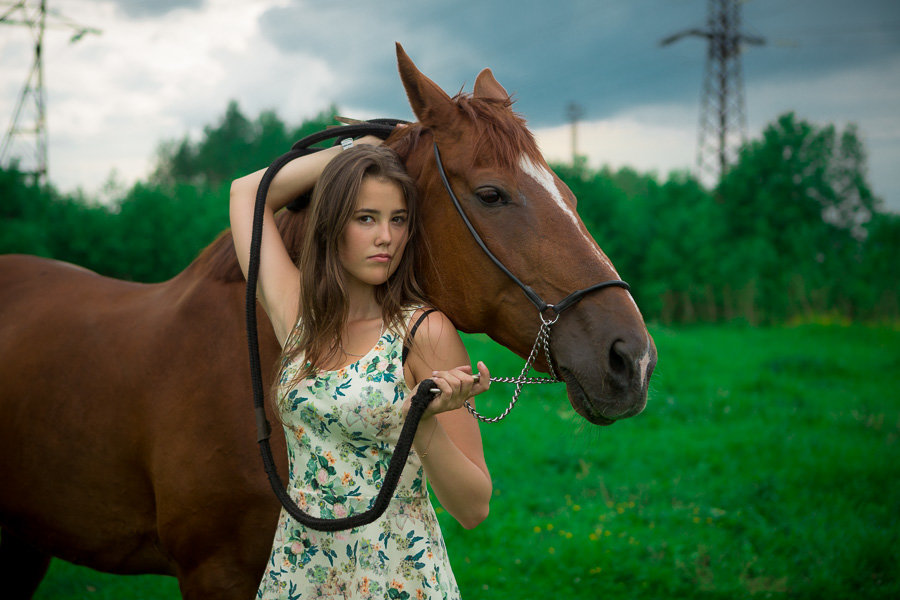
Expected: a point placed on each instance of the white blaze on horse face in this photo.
(545, 179)
(645, 362)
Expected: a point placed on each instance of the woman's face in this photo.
(373, 241)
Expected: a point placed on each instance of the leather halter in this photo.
(539, 302)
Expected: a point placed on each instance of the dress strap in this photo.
(412, 331)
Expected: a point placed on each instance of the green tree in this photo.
(792, 229)
(682, 264)
(875, 282)
(795, 208)
(233, 147)
(661, 237)
(152, 231)
(161, 229)
(22, 209)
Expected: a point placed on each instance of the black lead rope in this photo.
(381, 128)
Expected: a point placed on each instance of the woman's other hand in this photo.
(372, 140)
(456, 386)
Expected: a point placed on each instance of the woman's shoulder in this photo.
(426, 318)
(435, 345)
(430, 329)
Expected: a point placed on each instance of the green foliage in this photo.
(770, 475)
(793, 230)
(795, 208)
(152, 231)
(877, 282)
(21, 212)
(233, 147)
(161, 228)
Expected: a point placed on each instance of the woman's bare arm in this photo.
(448, 440)
(278, 287)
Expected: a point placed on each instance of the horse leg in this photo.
(22, 567)
(220, 552)
(218, 577)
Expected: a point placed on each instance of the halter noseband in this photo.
(542, 306)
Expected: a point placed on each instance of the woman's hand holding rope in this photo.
(455, 387)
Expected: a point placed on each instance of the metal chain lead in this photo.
(542, 341)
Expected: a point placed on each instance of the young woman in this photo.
(343, 315)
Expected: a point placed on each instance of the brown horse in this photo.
(127, 441)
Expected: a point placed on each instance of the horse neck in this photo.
(218, 261)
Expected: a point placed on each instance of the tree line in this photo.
(791, 231)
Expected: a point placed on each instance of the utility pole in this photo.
(32, 97)
(574, 112)
(723, 122)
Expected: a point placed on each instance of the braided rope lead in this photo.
(541, 341)
(417, 405)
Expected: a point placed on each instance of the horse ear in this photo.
(431, 105)
(488, 88)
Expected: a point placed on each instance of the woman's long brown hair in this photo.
(323, 309)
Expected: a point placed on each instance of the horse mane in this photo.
(500, 133)
(219, 261)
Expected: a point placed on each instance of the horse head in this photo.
(527, 218)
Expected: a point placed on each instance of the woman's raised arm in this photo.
(278, 286)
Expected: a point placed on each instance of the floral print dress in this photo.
(341, 429)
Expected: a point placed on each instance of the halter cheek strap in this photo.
(542, 342)
(533, 296)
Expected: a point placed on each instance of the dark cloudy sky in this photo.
(163, 68)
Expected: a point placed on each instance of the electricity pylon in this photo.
(723, 122)
(32, 96)
(574, 112)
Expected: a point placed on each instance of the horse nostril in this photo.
(618, 363)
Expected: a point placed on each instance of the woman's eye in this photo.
(490, 196)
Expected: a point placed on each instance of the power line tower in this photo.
(723, 122)
(31, 104)
(574, 112)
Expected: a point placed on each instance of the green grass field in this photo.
(767, 463)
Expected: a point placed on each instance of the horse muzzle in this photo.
(618, 389)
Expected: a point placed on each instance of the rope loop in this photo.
(381, 128)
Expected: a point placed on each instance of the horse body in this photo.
(122, 416)
(51, 425)
(126, 437)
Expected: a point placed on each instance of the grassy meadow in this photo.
(766, 464)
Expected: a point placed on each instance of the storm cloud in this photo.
(164, 68)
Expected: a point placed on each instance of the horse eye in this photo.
(490, 196)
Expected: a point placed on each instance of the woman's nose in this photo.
(383, 235)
